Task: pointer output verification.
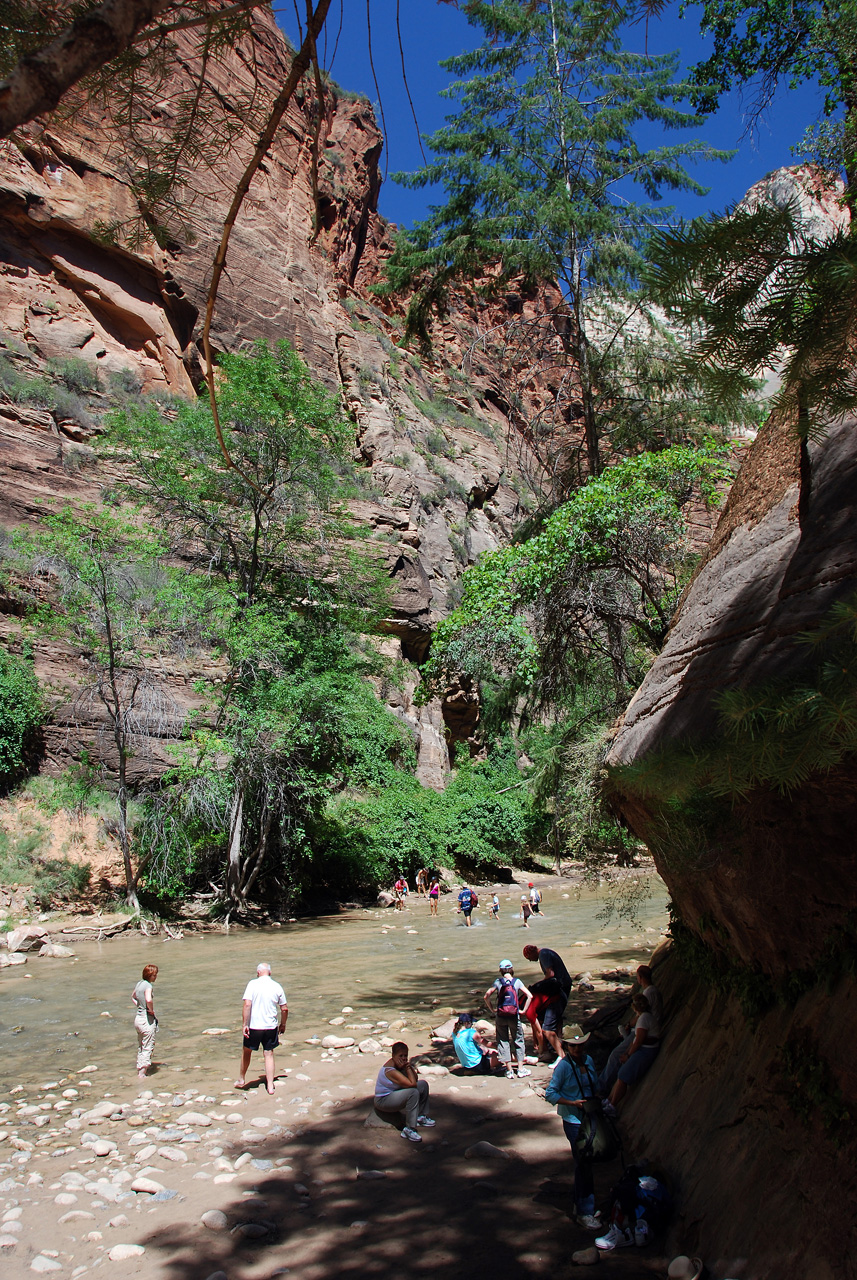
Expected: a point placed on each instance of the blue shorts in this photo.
(638, 1064)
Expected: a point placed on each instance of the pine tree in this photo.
(539, 165)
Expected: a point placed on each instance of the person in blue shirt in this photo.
(477, 1057)
(574, 1078)
(465, 904)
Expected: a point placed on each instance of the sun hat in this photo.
(684, 1268)
(506, 964)
(575, 1035)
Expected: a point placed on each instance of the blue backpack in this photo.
(507, 998)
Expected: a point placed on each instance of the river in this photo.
(59, 1016)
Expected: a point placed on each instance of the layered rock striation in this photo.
(82, 276)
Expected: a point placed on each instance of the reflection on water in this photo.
(57, 1016)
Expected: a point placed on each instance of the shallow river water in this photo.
(59, 1016)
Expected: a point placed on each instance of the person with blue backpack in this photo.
(509, 991)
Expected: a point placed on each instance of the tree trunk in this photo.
(233, 866)
(125, 839)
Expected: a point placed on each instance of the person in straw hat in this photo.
(573, 1080)
(684, 1268)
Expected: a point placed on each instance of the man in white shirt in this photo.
(263, 1015)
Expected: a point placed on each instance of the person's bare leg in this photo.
(554, 1041)
(617, 1093)
(269, 1069)
(246, 1055)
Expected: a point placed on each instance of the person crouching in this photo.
(398, 1089)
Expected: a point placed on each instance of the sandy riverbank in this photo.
(292, 1181)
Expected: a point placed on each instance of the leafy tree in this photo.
(539, 166)
(22, 713)
(281, 578)
(764, 44)
(98, 579)
(758, 291)
(598, 581)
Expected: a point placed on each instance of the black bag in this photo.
(597, 1138)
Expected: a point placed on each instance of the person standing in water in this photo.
(422, 883)
(434, 894)
(145, 1022)
(264, 1007)
(466, 902)
(495, 907)
(526, 911)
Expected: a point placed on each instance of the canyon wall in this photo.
(445, 471)
(750, 1106)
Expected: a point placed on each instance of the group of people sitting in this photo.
(576, 1087)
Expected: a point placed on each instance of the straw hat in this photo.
(684, 1268)
(575, 1035)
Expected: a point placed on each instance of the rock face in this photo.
(749, 1116)
(440, 484)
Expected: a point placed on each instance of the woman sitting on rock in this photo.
(398, 1089)
(642, 1052)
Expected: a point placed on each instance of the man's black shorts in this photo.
(552, 1018)
(266, 1038)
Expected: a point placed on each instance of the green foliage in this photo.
(812, 1089)
(22, 714)
(604, 572)
(74, 373)
(778, 735)
(51, 881)
(759, 292)
(484, 817)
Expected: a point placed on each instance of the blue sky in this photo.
(432, 30)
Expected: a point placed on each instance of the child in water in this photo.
(495, 907)
(526, 911)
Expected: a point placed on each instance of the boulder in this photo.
(385, 899)
(215, 1220)
(485, 1151)
(29, 937)
(55, 951)
(337, 1042)
(124, 1252)
(11, 958)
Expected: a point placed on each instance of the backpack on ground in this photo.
(507, 998)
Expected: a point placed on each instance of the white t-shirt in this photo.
(266, 997)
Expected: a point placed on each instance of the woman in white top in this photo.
(145, 1022)
(642, 1051)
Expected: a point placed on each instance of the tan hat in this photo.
(575, 1035)
(684, 1268)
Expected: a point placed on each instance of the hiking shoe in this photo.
(411, 1135)
(615, 1238)
(524, 1071)
(510, 1075)
(641, 1233)
(590, 1221)
(425, 1121)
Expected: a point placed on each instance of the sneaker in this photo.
(641, 1233)
(510, 1075)
(411, 1135)
(524, 1071)
(591, 1221)
(425, 1121)
(615, 1238)
(531, 1061)
(554, 1065)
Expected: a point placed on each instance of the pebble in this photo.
(334, 1022)
(370, 1175)
(121, 1220)
(487, 1150)
(250, 1230)
(12, 1215)
(243, 1159)
(262, 1122)
(173, 1154)
(44, 1264)
(234, 1117)
(218, 1275)
(103, 1147)
(224, 1177)
(8, 1242)
(77, 1215)
(215, 1220)
(147, 1186)
(122, 1252)
(145, 1153)
(65, 1197)
(369, 1046)
(196, 1118)
(337, 1042)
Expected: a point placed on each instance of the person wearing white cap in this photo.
(508, 989)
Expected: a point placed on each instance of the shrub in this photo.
(75, 374)
(50, 880)
(22, 714)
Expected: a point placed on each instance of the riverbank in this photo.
(287, 1171)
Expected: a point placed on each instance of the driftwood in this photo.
(101, 930)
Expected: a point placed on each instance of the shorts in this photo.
(483, 1069)
(465, 911)
(552, 1015)
(266, 1038)
(534, 907)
